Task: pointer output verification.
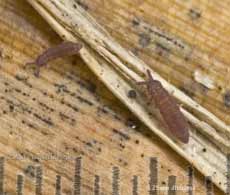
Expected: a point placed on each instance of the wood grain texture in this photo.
(67, 112)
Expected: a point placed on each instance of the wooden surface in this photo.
(68, 112)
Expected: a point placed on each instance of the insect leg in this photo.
(150, 75)
(37, 70)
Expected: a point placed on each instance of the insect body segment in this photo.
(64, 49)
(168, 108)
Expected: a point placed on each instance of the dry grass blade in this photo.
(119, 70)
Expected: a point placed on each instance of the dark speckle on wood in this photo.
(115, 116)
(11, 108)
(6, 84)
(46, 106)
(64, 117)
(74, 6)
(131, 123)
(151, 31)
(124, 163)
(162, 50)
(60, 88)
(122, 146)
(80, 3)
(86, 84)
(93, 146)
(106, 110)
(144, 39)
(91, 87)
(73, 107)
(203, 89)
(25, 94)
(102, 109)
(194, 14)
(31, 125)
(121, 134)
(18, 90)
(187, 91)
(45, 120)
(30, 171)
(137, 141)
(83, 100)
(135, 22)
(135, 51)
(226, 99)
(23, 79)
(89, 144)
(192, 88)
(132, 94)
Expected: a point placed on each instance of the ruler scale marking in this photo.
(77, 176)
(208, 185)
(96, 185)
(38, 182)
(58, 185)
(20, 184)
(190, 180)
(172, 188)
(2, 163)
(153, 176)
(115, 181)
(135, 185)
(172, 185)
(228, 175)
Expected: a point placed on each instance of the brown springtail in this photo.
(169, 109)
(64, 49)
